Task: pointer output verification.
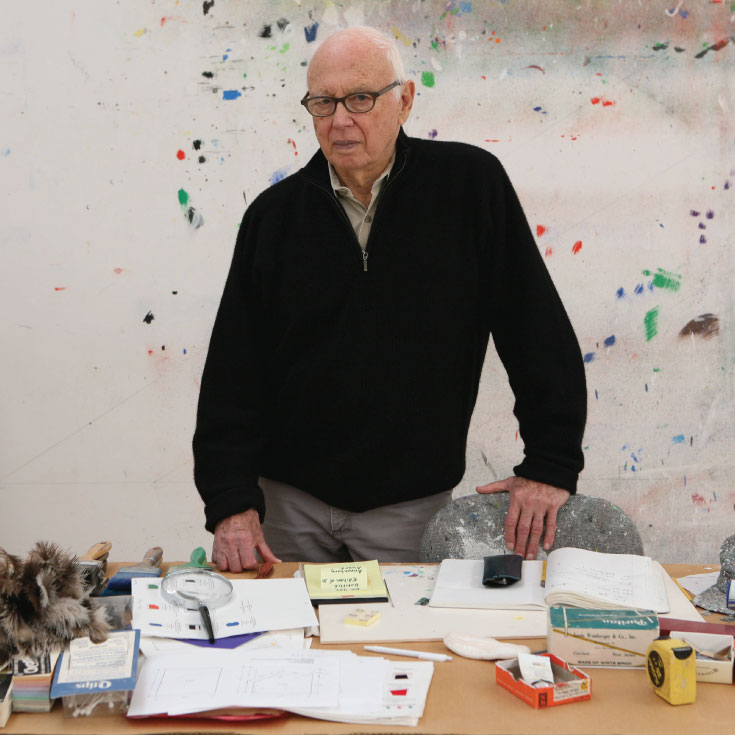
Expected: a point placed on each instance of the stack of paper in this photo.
(332, 685)
(256, 605)
(345, 582)
(32, 683)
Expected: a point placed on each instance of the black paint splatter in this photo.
(207, 6)
(265, 32)
(196, 145)
(148, 318)
(202, 159)
(208, 74)
(282, 23)
(714, 47)
(660, 46)
(704, 325)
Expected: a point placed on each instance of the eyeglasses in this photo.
(355, 102)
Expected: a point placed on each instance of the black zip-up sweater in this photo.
(353, 378)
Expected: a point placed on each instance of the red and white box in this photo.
(570, 683)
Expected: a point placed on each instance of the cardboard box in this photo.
(710, 670)
(571, 684)
(588, 637)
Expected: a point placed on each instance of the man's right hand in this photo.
(236, 540)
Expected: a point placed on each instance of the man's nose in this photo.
(342, 116)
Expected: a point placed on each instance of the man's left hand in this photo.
(531, 504)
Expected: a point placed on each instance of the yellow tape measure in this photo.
(672, 670)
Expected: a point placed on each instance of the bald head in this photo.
(361, 41)
(364, 63)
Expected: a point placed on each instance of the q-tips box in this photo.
(588, 637)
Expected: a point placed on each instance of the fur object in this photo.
(43, 603)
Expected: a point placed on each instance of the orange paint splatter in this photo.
(577, 247)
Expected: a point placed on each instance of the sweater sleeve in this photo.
(230, 416)
(537, 345)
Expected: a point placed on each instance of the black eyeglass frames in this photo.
(357, 102)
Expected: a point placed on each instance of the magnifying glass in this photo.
(199, 589)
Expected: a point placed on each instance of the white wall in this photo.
(99, 96)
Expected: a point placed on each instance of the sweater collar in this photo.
(317, 170)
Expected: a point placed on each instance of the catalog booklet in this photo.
(575, 577)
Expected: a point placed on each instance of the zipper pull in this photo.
(364, 260)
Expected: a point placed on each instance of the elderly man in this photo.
(345, 359)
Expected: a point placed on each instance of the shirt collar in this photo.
(340, 188)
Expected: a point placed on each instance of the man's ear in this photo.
(408, 92)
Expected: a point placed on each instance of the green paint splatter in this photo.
(664, 279)
(427, 78)
(183, 198)
(650, 322)
(435, 45)
(245, 76)
(284, 48)
(656, 370)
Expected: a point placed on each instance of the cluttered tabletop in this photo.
(579, 643)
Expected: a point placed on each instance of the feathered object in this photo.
(44, 604)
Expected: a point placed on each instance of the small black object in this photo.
(502, 570)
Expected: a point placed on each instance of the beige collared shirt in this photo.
(360, 216)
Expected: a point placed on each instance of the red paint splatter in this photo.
(61, 288)
(150, 352)
(482, 76)
(293, 143)
(608, 103)
(540, 229)
(577, 247)
(605, 102)
(697, 499)
(549, 252)
(492, 140)
(180, 155)
(516, 434)
(117, 270)
(399, 692)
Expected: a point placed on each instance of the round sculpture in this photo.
(473, 526)
(715, 598)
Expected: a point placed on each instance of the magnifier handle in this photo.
(207, 620)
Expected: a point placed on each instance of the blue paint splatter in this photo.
(231, 94)
(310, 32)
(540, 109)
(596, 395)
(610, 341)
(279, 175)
(5, 152)
(678, 439)
(589, 357)
(702, 239)
(620, 293)
(433, 133)
(694, 213)
(465, 7)
(638, 290)
(646, 385)
(702, 226)
(710, 214)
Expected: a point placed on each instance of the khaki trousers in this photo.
(298, 527)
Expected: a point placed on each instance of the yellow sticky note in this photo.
(343, 578)
(361, 616)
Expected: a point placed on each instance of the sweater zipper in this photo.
(330, 194)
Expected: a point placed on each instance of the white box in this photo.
(710, 670)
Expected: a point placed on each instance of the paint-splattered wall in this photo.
(133, 133)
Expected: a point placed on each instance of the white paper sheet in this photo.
(257, 604)
(186, 683)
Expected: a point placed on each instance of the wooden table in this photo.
(463, 700)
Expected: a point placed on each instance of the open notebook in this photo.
(574, 577)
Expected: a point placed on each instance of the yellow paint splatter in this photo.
(397, 33)
(139, 33)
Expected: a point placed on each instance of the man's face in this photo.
(356, 143)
